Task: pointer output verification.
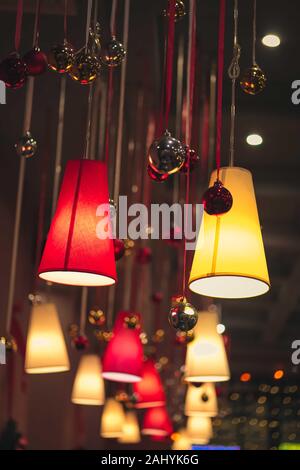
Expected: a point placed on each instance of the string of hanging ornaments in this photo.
(253, 80)
(229, 260)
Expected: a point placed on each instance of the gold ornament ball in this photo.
(114, 53)
(26, 146)
(61, 57)
(253, 81)
(85, 68)
(96, 317)
(10, 343)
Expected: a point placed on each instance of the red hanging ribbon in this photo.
(169, 59)
(220, 82)
(18, 24)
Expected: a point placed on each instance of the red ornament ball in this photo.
(119, 248)
(155, 176)
(217, 200)
(80, 342)
(157, 297)
(13, 71)
(36, 62)
(144, 255)
(191, 161)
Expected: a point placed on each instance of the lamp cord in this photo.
(254, 34)
(234, 72)
(113, 18)
(221, 40)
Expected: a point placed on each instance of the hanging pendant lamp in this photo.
(201, 401)
(123, 357)
(157, 422)
(199, 429)
(46, 350)
(79, 248)
(229, 261)
(88, 388)
(182, 441)
(131, 430)
(149, 391)
(113, 419)
(206, 359)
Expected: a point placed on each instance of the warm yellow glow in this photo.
(201, 401)
(278, 374)
(271, 40)
(206, 359)
(245, 377)
(74, 278)
(46, 350)
(88, 388)
(113, 419)
(131, 430)
(221, 328)
(229, 261)
(182, 441)
(199, 429)
(254, 139)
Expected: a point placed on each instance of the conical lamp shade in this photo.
(201, 401)
(79, 249)
(183, 441)
(157, 422)
(206, 359)
(46, 350)
(113, 419)
(149, 391)
(229, 261)
(131, 430)
(123, 357)
(199, 429)
(88, 388)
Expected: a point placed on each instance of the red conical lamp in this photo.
(123, 357)
(149, 391)
(157, 422)
(79, 249)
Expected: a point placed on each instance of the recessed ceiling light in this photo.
(271, 40)
(254, 139)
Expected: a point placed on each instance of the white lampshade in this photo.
(199, 429)
(131, 429)
(46, 350)
(201, 401)
(88, 388)
(206, 359)
(229, 261)
(183, 441)
(113, 419)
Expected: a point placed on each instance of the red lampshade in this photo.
(149, 391)
(79, 249)
(157, 422)
(123, 357)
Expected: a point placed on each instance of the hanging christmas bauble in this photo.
(26, 146)
(179, 10)
(132, 321)
(9, 343)
(183, 316)
(13, 71)
(157, 297)
(190, 161)
(167, 154)
(155, 176)
(80, 342)
(253, 81)
(103, 336)
(85, 69)
(119, 248)
(36, 62)
(144, 255)
(113, 53)
(96, 317)
(217, 200)
(61, 57)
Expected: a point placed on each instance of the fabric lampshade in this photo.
(46, 350)
(123, 357)
(201, 401)
(131, 430)
(113, 419)
(199, 429)
(157, 422)
(88, 388)
(149, 391)
(229, 261)
(79, 248)
(206, 359)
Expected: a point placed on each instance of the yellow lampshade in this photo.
(199, 429)
(131, 430)
(88, 388)
(206, 359)
(113, 419)
(201, 401)
(46, 350)
(229, 261)
(182, 441)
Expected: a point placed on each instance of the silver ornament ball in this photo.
(183, 316)
(166, 154)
